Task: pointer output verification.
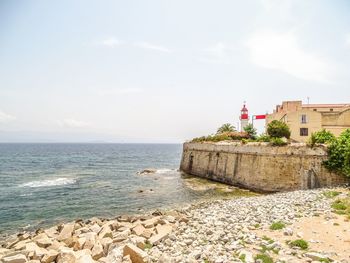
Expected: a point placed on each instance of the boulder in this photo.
(66, 232)
(86, 259)
(151, 222)
(147, 171)
(162, 232)
(147, 233)
(106, 242)
(19, 258)
(97, 251)
(66, 255)
(50, 256)
(138, 230)
(106, 231)
(90, 239)
(136, 254)
(121, 236)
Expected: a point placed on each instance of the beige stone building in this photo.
(304, 119)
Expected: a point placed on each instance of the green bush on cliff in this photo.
(278, 129)
(322, 137)
(251, 131)
(339, 154)
(277, 142)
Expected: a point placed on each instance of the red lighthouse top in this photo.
(244, 113)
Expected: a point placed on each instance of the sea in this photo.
(45, 184)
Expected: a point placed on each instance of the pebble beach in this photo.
(230, 230)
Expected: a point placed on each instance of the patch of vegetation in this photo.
(148, 245)
(339, 154)
(278, 129)
(257, 225)
(277, 142)
(277, 225)
(263, 138)
(264, 258)
(339, 205)
(227, 136)
(251, 131)
(242, 257)
(321, 137)
(331, 194)
(301, 243)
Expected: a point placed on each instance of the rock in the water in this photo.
(148, 171)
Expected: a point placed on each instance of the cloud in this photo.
(109, 42)
(4, 117)
(281, 51)
(111, 92)
(347, 40)
(73, 123)
(149, 46)
(216, 54)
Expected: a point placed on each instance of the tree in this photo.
(227, 127)
(278, 129)
(339, 154)
(251, 131)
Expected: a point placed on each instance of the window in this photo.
(304, 132)
(303, 118)
(315, 109)
(331, 109)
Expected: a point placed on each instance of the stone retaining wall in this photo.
(259, 166)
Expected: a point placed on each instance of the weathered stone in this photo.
(19, 258)
(162, 232)
(95, 228)
(51, 232)
(147, 233)
(66, 255)
(44, 242)
(121, 236)
(50, 256)
(85, 259)
(97, 251)
(106, 231)
(90, 239)
(66, 232)
(151, 222)
(138, 229)
(137, 255)
(39, 252)
(106, 242)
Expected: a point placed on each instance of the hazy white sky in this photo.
(163, 71)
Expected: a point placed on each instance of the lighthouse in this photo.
(244, 118)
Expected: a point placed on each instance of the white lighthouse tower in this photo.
(244, 118)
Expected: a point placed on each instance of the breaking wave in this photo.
(49, 183)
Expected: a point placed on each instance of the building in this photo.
(304, 119)
(244, 118)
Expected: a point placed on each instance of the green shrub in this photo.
(323, 137)
(277, 142)
(278, 129)
(301, 243)
(277, 225)
(263, 138)
(339, 154)
(251, 131)
(264, 258)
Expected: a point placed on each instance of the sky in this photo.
(162, 71)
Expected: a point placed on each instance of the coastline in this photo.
(204, 231)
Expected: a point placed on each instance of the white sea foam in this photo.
(49, 183)
(165, 171)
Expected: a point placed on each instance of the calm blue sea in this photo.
(42, 184)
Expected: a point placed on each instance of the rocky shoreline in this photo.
(234, 230)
